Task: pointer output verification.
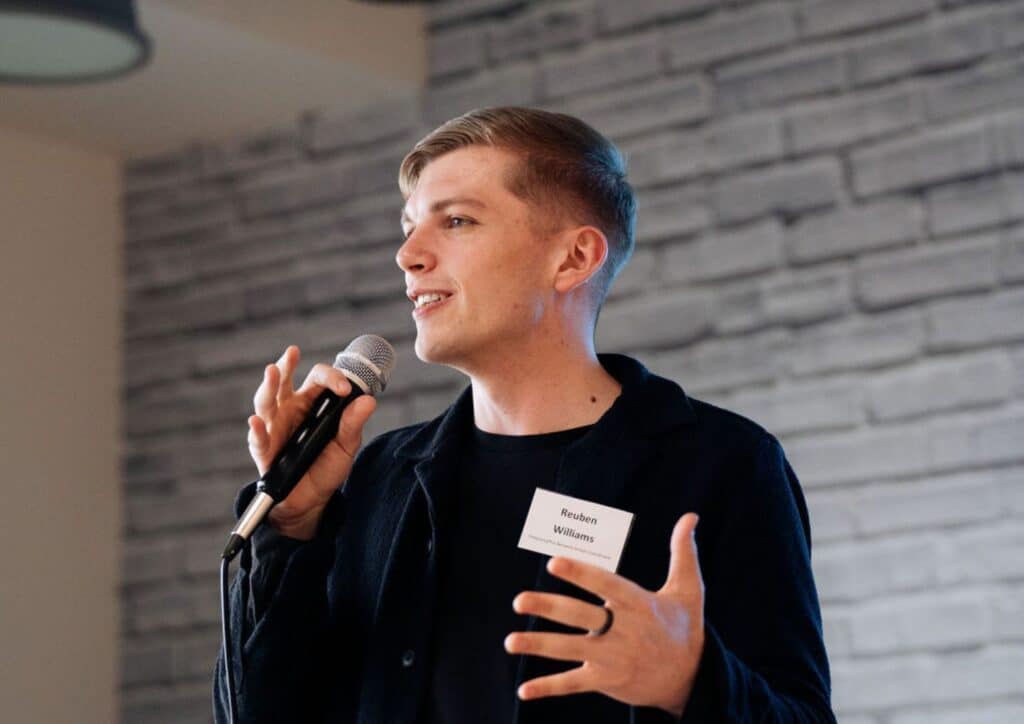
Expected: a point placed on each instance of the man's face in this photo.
(480, 253)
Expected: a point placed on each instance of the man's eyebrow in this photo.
(441, 205)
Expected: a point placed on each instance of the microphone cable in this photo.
(225, 612)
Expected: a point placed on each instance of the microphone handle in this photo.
(292, 462)
(305, 444)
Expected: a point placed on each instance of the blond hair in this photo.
(569, 172)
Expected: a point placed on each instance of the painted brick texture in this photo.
(830, 240)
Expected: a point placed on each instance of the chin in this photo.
(432, 351)
(454, 353)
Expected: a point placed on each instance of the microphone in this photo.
(367, 362)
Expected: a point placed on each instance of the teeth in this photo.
(423, 299)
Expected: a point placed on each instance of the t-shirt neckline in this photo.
(521, 443)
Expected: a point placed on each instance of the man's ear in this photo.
(584, 252)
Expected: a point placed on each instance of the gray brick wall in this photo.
(830, 240)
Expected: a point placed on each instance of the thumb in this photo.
(683, 568)
(353, 418)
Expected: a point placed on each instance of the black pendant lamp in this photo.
(69, 41)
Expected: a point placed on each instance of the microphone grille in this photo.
(371, 359)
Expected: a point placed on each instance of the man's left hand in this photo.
(649, 656)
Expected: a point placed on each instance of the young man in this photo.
(389, 586)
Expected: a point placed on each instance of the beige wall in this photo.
(60, 306)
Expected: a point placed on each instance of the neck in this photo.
(550, 387)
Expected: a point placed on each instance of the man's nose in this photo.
(413, 255)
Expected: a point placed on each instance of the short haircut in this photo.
(568, 171)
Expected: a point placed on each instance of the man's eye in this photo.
(451, 220)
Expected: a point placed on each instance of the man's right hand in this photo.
(280, 410)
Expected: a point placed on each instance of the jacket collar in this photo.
(647, 405)
(602, 466)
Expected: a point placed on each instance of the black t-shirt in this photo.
(481, 570)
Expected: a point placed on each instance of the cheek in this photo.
(508, 284)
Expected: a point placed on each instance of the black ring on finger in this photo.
(609, 617)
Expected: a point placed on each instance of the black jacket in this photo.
(329, 630)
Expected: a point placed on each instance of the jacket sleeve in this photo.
(764, 656)
(278, 622)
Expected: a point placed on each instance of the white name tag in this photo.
(561, 525)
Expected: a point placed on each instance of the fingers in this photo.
(258, 439)
(562, 609)
(353, 419)
(684, 576)
(286, 364)
(609, 586)
(324, 375)
(573, 681)
(265, 399)
(258, 435)
(564, 647)
(277, 412)
(276, 386)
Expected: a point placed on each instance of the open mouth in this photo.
(425, 300)
(424, 303)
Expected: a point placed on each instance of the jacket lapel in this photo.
(605, 466)
(404, 609)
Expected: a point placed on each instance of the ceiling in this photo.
(227, 68)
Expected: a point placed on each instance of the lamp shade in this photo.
(50, 41)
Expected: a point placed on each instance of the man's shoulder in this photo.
(722, 418)
(730, 428)
(659, 403)
(754, 463)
